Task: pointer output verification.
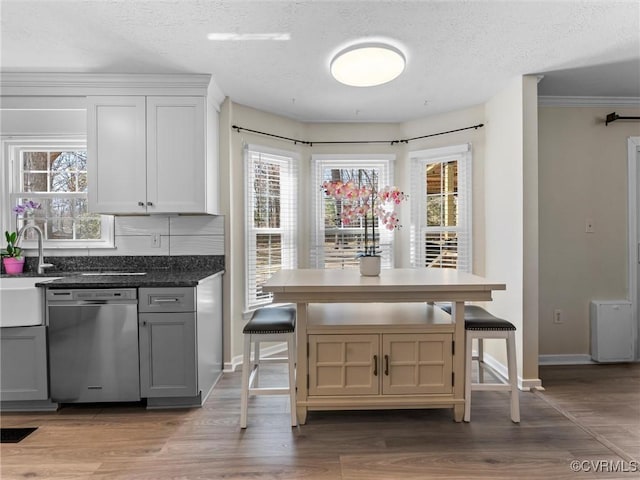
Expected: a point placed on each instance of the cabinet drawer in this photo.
(177, 299)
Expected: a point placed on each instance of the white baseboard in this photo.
(502, 371)
(573, 359)
(230, 367)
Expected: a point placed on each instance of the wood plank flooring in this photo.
(587, 413)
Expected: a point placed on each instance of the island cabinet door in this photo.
(344, 364)
(416, 364)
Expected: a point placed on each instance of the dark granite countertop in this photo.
(160, 271)
(149, 279)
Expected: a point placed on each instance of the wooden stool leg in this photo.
(480, 341)
(291, 353)
(513, 377)
(467, 377)
(256, 362)
(247, 366)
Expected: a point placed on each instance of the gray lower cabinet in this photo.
(180, 335)
(168, 366)
(23, 358)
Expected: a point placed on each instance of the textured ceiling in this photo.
(459, 53)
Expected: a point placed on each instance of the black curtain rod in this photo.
(612, 117)
(391, 142)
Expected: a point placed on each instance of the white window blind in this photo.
(441, 208)
(333, 244)
(271, 184)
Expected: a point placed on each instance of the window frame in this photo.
(288, 220)
(418, 161)
(385, 163)
(12, 148)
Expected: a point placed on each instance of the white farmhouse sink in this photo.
(21, 302)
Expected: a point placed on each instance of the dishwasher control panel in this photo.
(92, 294)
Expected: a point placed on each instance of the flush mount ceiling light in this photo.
(367, 65)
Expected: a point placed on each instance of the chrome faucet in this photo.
(41, 264)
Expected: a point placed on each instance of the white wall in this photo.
(583, 175)
(510, 214)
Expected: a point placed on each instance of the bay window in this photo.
(270, 198)
(441, 208)
(335, 244)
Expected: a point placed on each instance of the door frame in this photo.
(633, 244)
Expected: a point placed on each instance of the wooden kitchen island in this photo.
(377, 342)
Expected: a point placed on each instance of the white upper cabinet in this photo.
(148, 154)
(176, 166)
(116, 154)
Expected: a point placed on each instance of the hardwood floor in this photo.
(587, 413)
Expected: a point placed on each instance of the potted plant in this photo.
(12, 258)
(360, 200)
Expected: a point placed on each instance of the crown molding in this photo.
(84, 84)
(553, 101)
(216, 96)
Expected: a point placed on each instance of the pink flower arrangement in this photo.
(360, 198)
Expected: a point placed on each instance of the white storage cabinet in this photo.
(612, 331)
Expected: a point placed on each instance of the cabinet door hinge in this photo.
(453, 347)
(453, 379)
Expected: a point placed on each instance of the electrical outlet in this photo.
(557, 316)
(589, 226)
(155, 240)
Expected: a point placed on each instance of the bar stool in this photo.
(268, 324)
(480, 324)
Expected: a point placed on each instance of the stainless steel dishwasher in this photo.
(93, 345)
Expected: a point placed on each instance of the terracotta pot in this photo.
(12, 265)
(370, 266)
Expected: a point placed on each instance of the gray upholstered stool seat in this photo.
(272, 320)
(477, 318)
(268, 324)
(479, 324)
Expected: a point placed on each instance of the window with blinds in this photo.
(334, 244)
(441, 208)
(53, 173)
(271, 184)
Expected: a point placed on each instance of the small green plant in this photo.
(11, 250)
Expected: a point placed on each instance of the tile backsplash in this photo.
(159, 235)
(170, 235)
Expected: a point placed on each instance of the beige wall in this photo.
(583, 174)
